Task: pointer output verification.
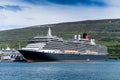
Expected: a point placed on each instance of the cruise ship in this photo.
(53, 48)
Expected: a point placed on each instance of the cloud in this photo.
(21, 13)
(67, 2)
(79, 2)
(11, 7)
(1, 7)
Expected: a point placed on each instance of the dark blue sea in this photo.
(108, 70)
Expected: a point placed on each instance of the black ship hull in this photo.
(32, 56)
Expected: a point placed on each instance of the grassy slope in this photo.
(106, 32)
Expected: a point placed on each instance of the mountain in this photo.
(106, 32)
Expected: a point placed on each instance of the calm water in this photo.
(109, 70)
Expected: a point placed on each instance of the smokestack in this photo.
(85, 36)
(79, 37)
(75, 37)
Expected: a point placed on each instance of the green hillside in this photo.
(106, 32)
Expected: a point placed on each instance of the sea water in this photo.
(108, 70)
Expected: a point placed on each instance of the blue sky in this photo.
(24, 13)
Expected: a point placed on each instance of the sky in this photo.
(24, 13)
